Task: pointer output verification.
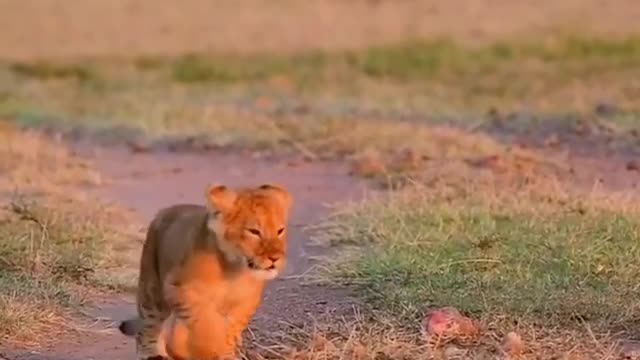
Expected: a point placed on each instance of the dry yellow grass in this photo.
(380, 337)
(72, 28)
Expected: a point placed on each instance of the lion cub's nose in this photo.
(274, 259)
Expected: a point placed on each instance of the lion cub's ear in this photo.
(280, 193)
(221, 198)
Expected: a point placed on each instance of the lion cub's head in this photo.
(251, 225)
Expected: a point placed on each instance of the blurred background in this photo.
(196, 67)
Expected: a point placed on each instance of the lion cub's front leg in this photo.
(195, 329)
(199, 337)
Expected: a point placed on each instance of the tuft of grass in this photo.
(47, 71)
(191, 69)
(31, 307)
(534, 255)
(47, 256)
(52, 243)
(425, 60)
(198, 68)
(417, 61)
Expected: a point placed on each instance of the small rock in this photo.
(454, 352)
(449, 323)
(493, 112)
(257, 155)
(583, 127)
(493, 162)
(94, 179)
(512, 344)
(359, 351)
(633, 165)
(295, 162)
(552, 140)
(407, 161)
(495, 117)
(438, 322)
(281, 82)
(368, 166)
(605, 109)
(630, 350)
(139, 146)
(264, 103)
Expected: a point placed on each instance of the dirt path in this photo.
(147, 182)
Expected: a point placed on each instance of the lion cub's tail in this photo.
(131, 327)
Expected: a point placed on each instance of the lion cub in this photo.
(203, 271)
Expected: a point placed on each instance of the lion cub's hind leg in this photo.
(150, 342)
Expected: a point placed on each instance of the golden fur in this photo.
(203, 271)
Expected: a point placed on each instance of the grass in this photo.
(194, 68)
(314, 138)
(42, 257)
(219, 95)
(51, 256)
(33, 307)
(57, 244)
(416, 62)
(557, 266)
(354, 339)
(47, 71)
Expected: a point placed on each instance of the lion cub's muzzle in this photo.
(268, 267)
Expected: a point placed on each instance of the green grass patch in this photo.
(430, 59)
(494, 69)
(197, 69)
(530, 259)
(413, 62)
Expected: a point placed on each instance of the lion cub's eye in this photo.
(280, 231)
(255, 232)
